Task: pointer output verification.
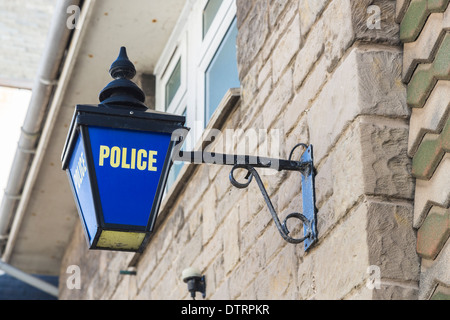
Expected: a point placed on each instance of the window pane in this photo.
(173, 84)
(222, 73)
(209, 13)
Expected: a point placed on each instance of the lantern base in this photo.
(119, 240)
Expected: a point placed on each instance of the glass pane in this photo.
(209, 13)
(222, 73)
(173, 84)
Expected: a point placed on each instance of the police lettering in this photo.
(128, 159)
(80, 172)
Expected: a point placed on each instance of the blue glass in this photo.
(81, 185)
(128, 166)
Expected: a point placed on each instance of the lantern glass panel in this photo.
(128, 166)
(82, 187)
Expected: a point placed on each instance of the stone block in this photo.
(347, 174)
(386, 291)
(298, 134)
(308, 92)
(374, 21)
(289, 190)
(184, 258)
(279, 29)
(386, 165)
(255, 228)
(231, 243)
(338, 31)
(278, 100)
(252, 35)
(396, 292)
(310, 10)
(251, 264)
(371, 159)
(366, 82)
(341, 23)
(212, 253)
(222, 292)
(310, 53)
(286, 48)
(209, 207)
(372, 234)
(249, 84)
(275, 9)
(324, 180)
(265, 74)
(391, 240)
(243, 8)
(277, 281)
(331, 28)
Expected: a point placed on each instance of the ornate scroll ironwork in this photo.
(282, 228)
(250, 163)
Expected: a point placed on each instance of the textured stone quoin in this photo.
(425, 31)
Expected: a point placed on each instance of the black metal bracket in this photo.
(305, 166)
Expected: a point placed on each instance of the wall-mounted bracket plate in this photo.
(308, 197)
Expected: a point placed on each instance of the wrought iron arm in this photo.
(232, 160)
(282, 228)
(249, 163)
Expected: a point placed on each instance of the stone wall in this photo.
(425, 31)
(320, 72)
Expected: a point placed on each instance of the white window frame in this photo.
(196, 53)
(216, 33)
(178, 54)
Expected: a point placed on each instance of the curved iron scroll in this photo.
(305, 166)
(282, 227)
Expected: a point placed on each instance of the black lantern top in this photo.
(122, 93)
(121, 106)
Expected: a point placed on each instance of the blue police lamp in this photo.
(117, 157)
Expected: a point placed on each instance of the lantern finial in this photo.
(122, 93)
(122, 68)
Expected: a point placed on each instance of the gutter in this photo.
(42, 93)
